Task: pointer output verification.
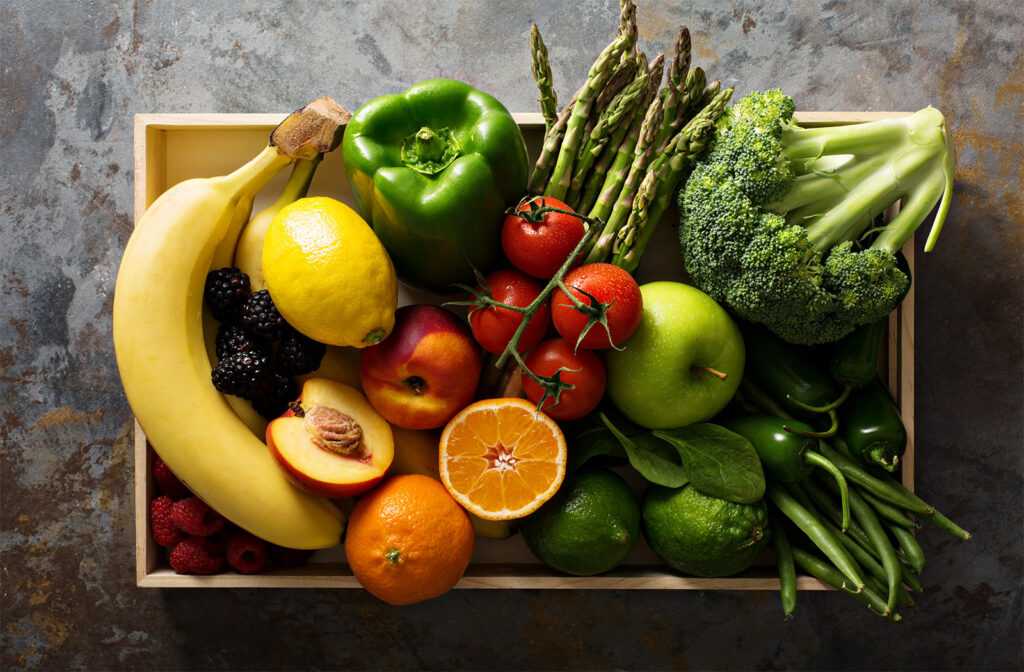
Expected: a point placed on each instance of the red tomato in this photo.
(541, 249)
(585, 371)
(608, 284)
(493, 326)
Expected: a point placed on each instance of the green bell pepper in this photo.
(433, 170)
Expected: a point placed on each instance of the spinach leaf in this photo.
(592, 442)
(719, 462)
(648, 458)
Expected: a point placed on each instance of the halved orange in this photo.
(502, 458)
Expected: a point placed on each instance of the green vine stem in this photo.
(534, 213)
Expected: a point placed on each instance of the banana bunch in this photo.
(161, 348)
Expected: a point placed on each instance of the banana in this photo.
(248, 254)
(161, 351)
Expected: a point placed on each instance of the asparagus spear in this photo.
(642, 155)
(607, 177)
(661, 180)
(542, 74)
(600, 72)
(610, 120)
(549, 151)
(674, 93)
(620, 145)
(691, 101)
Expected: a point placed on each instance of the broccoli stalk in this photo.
(778, 221)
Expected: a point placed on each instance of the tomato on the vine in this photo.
(541, 249)
(609, 285)
(584, 370)
(494, 326)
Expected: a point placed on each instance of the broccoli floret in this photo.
(778, 220)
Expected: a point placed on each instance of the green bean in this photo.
(911, 549)
(814, 530)
(869, 521)
(891, 513)
(821, 570)
(786, 567)
(854, 472)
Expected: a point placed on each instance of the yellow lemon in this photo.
(329, 276)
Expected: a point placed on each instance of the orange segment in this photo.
(502, 458)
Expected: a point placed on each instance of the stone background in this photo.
(74, 74)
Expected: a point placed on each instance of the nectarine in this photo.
(332, 442)
(427, 370)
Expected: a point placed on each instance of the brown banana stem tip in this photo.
(313, 129)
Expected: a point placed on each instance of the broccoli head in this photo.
(778, 221)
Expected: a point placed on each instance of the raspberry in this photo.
(298, 354)
(195, 555)
(243, 374)
(194, 516)
(260, 315)
(233, 338)
(288, 557)
(275, 401)
(165, 532)
(247, 553)
(225, 291)
(167, 482)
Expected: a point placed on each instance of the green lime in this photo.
(703, 535)
(588, 527)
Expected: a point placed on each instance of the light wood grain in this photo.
(161, 143)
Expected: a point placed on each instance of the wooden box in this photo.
(172, 147)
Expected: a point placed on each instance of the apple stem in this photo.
(707, 369)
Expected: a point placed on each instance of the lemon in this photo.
(328, 274)
(588, 527)
(703, 535)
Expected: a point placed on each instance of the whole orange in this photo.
(408, 540)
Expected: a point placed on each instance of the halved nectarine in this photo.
(332, 442)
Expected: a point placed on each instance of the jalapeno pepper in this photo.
(872, 427)
(793, 375)
(853, 360)
(787, 451)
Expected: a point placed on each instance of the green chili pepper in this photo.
(787, 452)
(433, 170)
(792, 375)
(872, 427)
(853, 359)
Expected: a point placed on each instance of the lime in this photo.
(328, 274)
(588, 527)
(703, 535)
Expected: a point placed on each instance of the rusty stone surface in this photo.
(73, 75)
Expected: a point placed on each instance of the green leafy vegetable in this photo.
(718, 462)
(647, 457)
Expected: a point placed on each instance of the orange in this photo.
(408, 540)
(502, 458)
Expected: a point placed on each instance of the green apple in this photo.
(683, 363)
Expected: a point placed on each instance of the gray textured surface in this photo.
(74, 73)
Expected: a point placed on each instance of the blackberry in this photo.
(243, 374)
(226, 291)
(233, 337)
(298, 354)
(260, 315)
(272, 403)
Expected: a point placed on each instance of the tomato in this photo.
(493, 326)
(584, 370)
(541, 249)
(608, 284)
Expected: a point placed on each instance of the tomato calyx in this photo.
(531, 210)
(595, 311)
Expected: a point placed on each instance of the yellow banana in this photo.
(162, 356)
(248, 254)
